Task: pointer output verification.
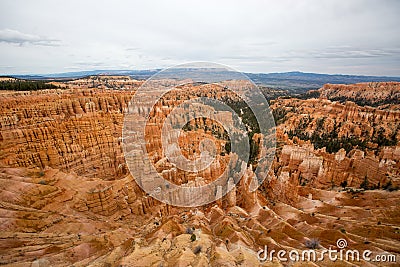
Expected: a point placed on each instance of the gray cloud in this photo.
(351, 53)
(344, 52)
(16, 37)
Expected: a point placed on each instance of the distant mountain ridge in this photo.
(294, 81)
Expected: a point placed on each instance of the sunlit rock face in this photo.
(373, 93)
(73, 130)
(67, 197)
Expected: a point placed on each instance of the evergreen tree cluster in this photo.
(330, 140)
(23, 85)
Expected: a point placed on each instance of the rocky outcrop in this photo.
(333, 144)
(42, 222)
(373, 93)
(73, 130)
(324, 170)
(101, 200)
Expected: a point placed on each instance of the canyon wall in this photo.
(76, 130)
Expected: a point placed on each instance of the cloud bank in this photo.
(349, 37)
(16, 37)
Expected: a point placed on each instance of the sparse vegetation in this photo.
(310, 94)
(193, 237)
(320, 138)
(389, 186)
(189, 230)
(365, 184)
(279, 114)
(313, 243)
(197, 250)
(365, 102)
(249, 120)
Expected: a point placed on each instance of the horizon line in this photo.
(59, 74)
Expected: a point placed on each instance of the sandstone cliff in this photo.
(73, 130)
(373, 93)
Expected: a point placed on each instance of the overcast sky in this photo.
(348, 37)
